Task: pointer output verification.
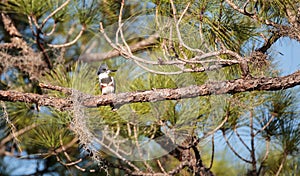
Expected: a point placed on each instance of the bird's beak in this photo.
(113, 70)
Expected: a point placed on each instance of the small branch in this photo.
(161, 167)
(212, 152)
(149, 168)
(178, 30)
(52, 30)
(179, 167)
(268, 43)
(233, 150)
(216, 129)
(29, 18)
(241, 139)
(265, 126)
(64, 147)
(265, 156)
(12, 128)
(54, 12)
(281, 164)
(17, 133)
(252, 151)
(67, 91)
(95, 57)
(242, 11)
(250, 15)
(157, 72)
(127, 53)
(71, 163)
(71, 42)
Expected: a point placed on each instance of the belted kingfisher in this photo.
(107, 83)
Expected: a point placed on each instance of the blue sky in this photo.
(289, 60)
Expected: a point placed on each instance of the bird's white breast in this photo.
(106, 88)
(102, 76)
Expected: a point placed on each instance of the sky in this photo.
(289, 59)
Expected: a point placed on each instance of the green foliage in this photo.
(48, 135)
(290, 167)
(81, 77)
(88, 13)
(27, 7)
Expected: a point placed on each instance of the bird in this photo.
(107, 82)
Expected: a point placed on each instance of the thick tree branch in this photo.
(41, 100)
(222, 87)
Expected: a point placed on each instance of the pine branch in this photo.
(222, 87)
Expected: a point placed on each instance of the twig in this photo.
(214, 130)
(212, 152)
(17, 133)
(116, 153)
(127, 55)
(31, 25)
(179, 167)
(265, 156)
(127, 50)
(242, 11)
(12, 127)
(157, 72)
(178, 30)
(265, 126)
(52, 30)
(233, 150)
(281, 164)
(67, 91)
(139, 149)
(252, 151)
(71, 42)
(161, 167)
(94, 57)
(71, 163)
(54, 12)
(64, 147)
(241, 139)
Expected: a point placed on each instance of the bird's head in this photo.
(103, 69)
